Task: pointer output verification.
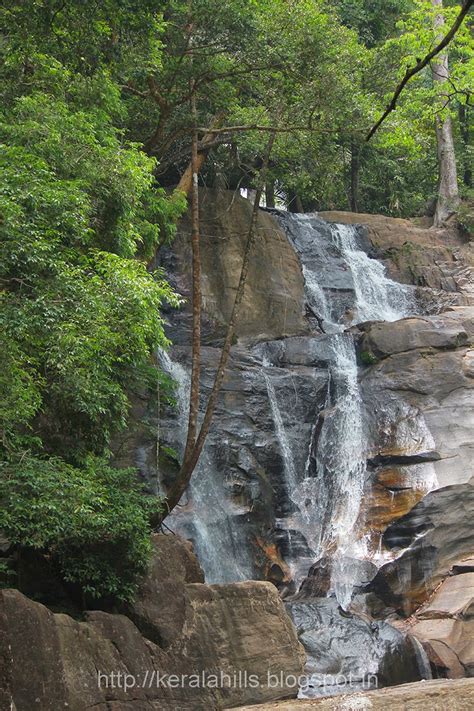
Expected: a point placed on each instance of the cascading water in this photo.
(285, 447)
(341, 468)
(377, 298)
(211, 524)
(343, 287)
(329, 500)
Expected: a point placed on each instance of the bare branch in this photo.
(276, 129)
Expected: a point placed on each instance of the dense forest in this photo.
(107, 110)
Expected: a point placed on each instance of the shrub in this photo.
(92, 522)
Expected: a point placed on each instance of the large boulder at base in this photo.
(449, 644)
(445, 624)
(438, 695)
(161, 604)
(350, 649)
(217, 636)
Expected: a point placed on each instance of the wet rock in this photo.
(244, 458)
(350, 645)
(432, 537)
(318, 581)
(390, 493)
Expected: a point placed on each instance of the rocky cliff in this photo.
(337, 471)
(256, 501)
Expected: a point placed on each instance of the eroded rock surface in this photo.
(52, 661)
(350, 645)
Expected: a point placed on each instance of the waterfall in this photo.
(284, 443)
(206, 515)
(376, 296)
(341, 467)
(343, 286)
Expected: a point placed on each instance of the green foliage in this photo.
(81, 215)
(92, 521)
(368, 358)
(83, 319)
(466, 215)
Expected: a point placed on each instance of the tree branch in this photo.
(276, 129)
(421, 64)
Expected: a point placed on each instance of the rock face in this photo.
(274, 295)
(53, 661)
(415, 377)
(415, 382)
(422, 387)
(432, 537)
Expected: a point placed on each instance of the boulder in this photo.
(449, 644)
(432, 537)
(435, 695)
(445, 624)
(160, 606)
(350, 646)
(384, 339)
(454, 598)
(216, 636)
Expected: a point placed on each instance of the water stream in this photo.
(343, 286)
(207, 515)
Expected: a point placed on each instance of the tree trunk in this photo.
(186, 180)
(182, 480)
(270, 193)
(197, 296)
(448, 193)
(464, 127)
(294, 203)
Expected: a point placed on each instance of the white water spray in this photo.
(207, 515)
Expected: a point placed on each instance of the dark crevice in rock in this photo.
(403, 459)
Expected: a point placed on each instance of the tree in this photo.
(448, 196)
(448, 192)
(79, 310)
